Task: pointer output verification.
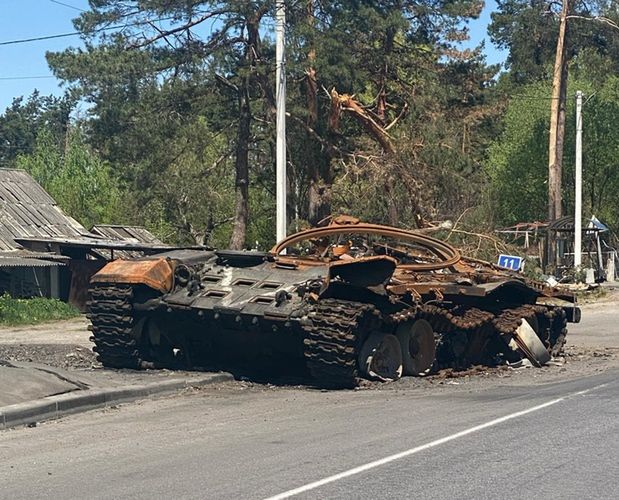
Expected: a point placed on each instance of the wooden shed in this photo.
(27, 210)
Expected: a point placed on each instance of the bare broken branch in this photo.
(601, 19)
(346, 102)
(397, 118)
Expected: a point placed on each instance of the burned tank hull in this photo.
(334, 304)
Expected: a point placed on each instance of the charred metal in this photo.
(336, 303)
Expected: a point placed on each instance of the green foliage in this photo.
(165, 108)
(191, 200)
(395, 65)
(81, 183)
(517, 165)
(32, 311)
(600, 149)
(163, 142)
(24, 119)
(529, 29)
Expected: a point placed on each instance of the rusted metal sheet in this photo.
(448, 254)
(157, 274)
(367, 271)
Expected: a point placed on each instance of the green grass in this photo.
(31, 311)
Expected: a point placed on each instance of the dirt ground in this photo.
(64, 344)
(592, 347)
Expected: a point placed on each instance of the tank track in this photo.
(334, 331)
(110, 312)
(552, 322)
(558, 331)
(505, 321)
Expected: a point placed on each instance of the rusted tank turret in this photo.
(335, 303)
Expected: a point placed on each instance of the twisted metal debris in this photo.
(334, 304)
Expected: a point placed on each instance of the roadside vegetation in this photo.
(390, 119)
(14, 312)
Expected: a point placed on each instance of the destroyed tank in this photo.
(336, 304)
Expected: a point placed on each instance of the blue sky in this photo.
(32, 18)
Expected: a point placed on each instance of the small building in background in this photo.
(46, 253)
(599, 247)
(27, 210)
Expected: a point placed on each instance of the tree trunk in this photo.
(319, 199)
(554, 164)
(318, 162)
(556, 132)
(381, 104)
(561, 137)
(241, 214)
(311, 94)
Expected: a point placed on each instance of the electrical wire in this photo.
(67, 5)
(25, 77)
(77, 33)
(39, 38)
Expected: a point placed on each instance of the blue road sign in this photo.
(512, 262)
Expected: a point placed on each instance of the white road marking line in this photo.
(427, 446)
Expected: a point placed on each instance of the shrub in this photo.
(31, 311)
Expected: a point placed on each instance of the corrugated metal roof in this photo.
(21, 262)
(119, 232)
(27, 254)
(88, 242)
(26, 210)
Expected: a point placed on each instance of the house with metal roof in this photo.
(45, 252)
(27, 210)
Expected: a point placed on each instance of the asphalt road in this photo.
(599, 326)
(548, 433)
(551, 440)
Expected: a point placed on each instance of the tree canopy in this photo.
(389, 117)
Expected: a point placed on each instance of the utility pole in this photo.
(280, 99)
(578, 182)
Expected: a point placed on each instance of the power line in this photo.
(67, 5)
(25, 77)
(77, 33)
(95, 31)
(39, 38)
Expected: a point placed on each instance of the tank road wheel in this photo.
(418, 347)
(333, 334)
(381, 357)
(551, 327)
